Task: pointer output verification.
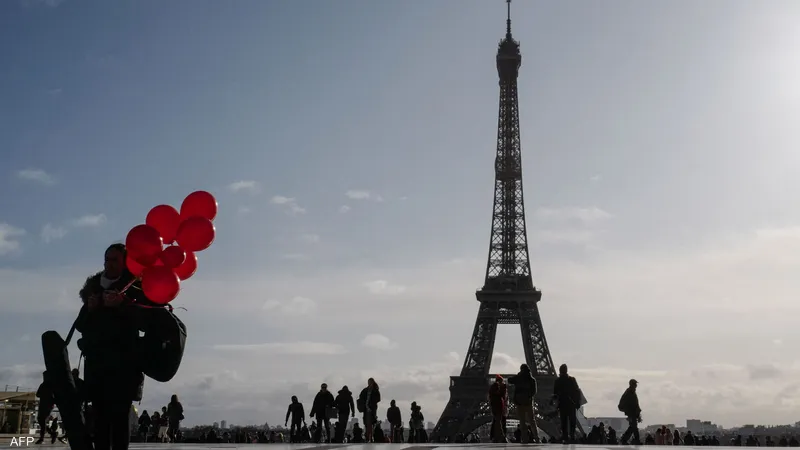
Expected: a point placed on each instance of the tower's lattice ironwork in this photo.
(508, 295)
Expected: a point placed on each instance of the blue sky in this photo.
(350, 145)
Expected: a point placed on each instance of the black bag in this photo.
(161, 347)
(58, 376)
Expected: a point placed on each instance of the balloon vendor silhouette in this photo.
(158, 255)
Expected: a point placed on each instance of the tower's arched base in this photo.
(468, 408)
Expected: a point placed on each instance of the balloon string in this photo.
(129, 285)
(168, 306)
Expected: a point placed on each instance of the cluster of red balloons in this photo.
(184, 233)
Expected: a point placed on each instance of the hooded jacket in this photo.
(344, 402)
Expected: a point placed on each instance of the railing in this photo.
(14, 388)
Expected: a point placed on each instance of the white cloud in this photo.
(357, 195)
(281, 200)
(310, 238)
(588, 215)
(343, 209)
(595, 178)
(382, 287)
(244, 210)
(89, 220)
(378, 342)
(9, 238)
(52, 233)
(296, 306)
(363, 195)
(248, 186)
(271, 305)
(36, 175)
(292, 208)
(285, 348)
(503, 363)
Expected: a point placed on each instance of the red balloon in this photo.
(144, 244)
(173, 256)
(166, 220)
(134, 267)
(196, 234)
(199, 203)
(160, 284)
(188, 268)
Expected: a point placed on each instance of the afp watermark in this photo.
(22, 441)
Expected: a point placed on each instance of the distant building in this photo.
(701, 426)
(617, 423)
(216, 425)
(223, 424)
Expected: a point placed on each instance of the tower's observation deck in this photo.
(509, 58)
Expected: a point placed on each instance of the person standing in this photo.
(174, 416)
(298, 419)
(629, 405)
(498, 404)
(524, 393)
(368, 401)
(345, 407)
(395, 419)
(323, 401)
(568, 394)
(110, 332)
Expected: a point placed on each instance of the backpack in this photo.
(161, 347)
(622, 403)
(361, 403)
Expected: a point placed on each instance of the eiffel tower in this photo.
(508, 295)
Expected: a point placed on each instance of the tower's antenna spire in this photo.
(508, 20)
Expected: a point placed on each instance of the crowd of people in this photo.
(163, 426)
(567, 398)
(343, 407)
